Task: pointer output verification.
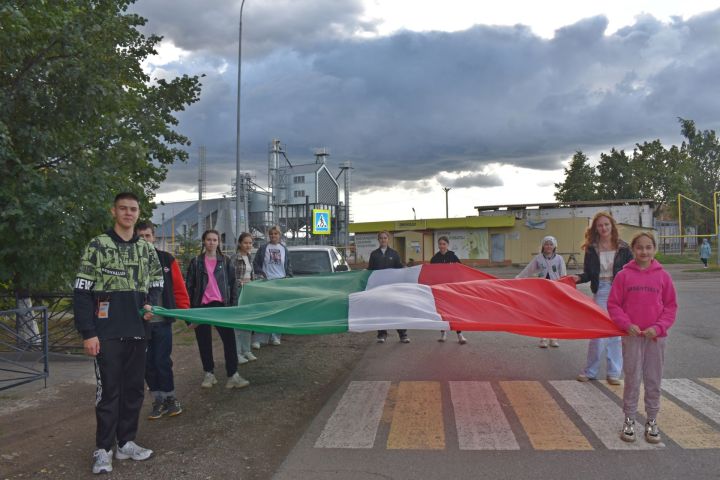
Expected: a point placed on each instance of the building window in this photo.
(299, 193)
(299, 179)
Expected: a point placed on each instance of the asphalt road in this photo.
(500, 407)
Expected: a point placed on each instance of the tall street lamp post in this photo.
(239, 227)
(447, 189)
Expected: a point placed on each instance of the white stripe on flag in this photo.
(378, 278)
(402, 305)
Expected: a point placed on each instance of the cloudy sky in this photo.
(488, 98)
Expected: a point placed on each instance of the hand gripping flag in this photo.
(424, 297)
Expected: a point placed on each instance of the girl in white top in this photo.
(547, 264)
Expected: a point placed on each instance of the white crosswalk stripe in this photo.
(698, 397)
(479, 418)
(354, 422)
(600, 413)
(482, 419)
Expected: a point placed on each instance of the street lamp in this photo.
(239, 227)
(414, 216)
(447, 189)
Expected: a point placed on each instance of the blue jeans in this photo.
(158, 364)
(598, 346)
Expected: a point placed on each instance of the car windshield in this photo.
(306, 262)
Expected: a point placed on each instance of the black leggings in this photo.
(203, 335)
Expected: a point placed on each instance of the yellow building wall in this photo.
(523, 243)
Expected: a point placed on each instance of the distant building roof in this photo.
(578, 203)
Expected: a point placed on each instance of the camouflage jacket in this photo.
(116, 278)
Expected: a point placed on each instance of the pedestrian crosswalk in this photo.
(515, 415)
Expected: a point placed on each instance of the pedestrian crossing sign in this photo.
(321, 222)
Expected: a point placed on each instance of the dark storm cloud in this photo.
(211, 26)
(404, 107)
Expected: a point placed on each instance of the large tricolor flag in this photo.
(424, 297)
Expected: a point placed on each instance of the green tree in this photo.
(703, 150)
(79, 122)
(615, 176)
(580, 181)
(659, 174)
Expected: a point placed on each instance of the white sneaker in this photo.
(242, 359)
(236, 381)
(543, 343)
(275, 341)
(134, 451)
(443, 336)
(250, 356)
(255, 345)
(209, 380)
(461, 340)
(103, 461)
(554, 343)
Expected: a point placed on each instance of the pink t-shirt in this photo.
(212, 292)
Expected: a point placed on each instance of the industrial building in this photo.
(293, 191)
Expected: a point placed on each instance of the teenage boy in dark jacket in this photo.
(380, 259)
(158, 367)
(119, 275)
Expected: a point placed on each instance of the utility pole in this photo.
(239, 220)
(447, 189)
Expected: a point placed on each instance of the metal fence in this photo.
(24, 346)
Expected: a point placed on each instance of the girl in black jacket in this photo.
(210, 282)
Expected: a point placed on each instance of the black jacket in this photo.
(196, 279)
(449, 257)
(378, 261)
(591, 264)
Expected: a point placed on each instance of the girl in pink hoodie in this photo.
(642, 302)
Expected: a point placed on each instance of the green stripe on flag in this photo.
(311, 305)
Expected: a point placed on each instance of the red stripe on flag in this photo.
(529, 306)
(437, 273)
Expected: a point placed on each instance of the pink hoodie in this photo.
(645, 298)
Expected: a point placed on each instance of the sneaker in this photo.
(543, 343)
(554, 343)
(255, 345)
(461, 339)
(209, 380)
(236, 381)
(242, 359)
(443, 336)
(103, 461)
(134, 451)
(583, 378)
(158, 410)
(173, 406)
(275, 342)
(250, 356)
(628, 430)
(381, 338)
(404, 339)
(652, 433)
(613, 380)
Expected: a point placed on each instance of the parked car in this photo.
(311, 259)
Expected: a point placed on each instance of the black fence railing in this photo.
(63, 338)
(24, 346)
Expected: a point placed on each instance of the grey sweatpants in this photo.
(643, 360)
